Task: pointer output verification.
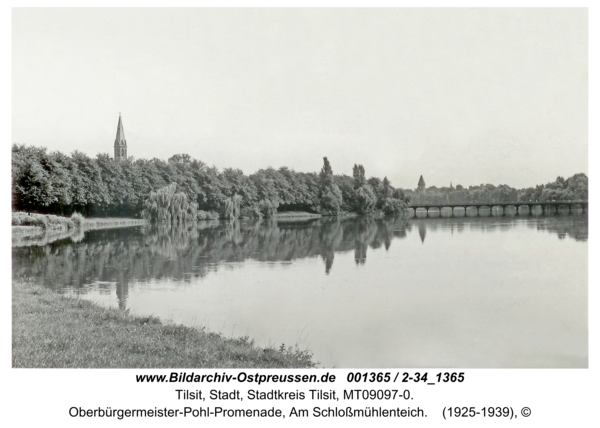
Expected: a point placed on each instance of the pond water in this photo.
(470, 291)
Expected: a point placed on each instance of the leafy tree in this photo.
(33, 187)
(58, 183)
(364, 197)
(330, 194)
(166, 205)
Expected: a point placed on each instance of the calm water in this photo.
(419, 292)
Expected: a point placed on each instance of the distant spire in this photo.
(421, 185)
(120, 142)
(120, 139)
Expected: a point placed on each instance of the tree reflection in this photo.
(422, 231)
(123, 256)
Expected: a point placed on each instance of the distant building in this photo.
(421, 185)
(120, 143)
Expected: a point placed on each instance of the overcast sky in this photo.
(464, 95)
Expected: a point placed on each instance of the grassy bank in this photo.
(51, 330)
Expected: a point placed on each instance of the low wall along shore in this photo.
(296, 215)
(25, 230)
(88, 224)
(40, 229)
(105, 223)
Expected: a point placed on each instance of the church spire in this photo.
(120, 143)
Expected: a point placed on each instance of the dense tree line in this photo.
(184, 188)
(52, 182)
(574, 188)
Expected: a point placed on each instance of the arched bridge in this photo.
(503, 205)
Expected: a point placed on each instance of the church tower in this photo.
(120, 143)
(420, 185)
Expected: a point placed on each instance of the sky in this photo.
(467, 96)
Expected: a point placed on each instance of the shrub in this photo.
(267, 208)
(18, 218)
(46, 221)
(40, 220)
(392, 206)
(212, 215)
(251, 211)
(56, 221)
(207, 215)
(77, 220)
(24, 219)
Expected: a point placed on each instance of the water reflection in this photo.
(181, 253)
(571, 226)
(419, 292)
(47, 237)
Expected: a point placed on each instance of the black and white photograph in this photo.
(299, 188)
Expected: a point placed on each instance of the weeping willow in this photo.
(167, 206)
(231, 207)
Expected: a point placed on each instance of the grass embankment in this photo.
(51, 330)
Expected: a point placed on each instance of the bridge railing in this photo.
(450, 204)
(488, 203)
